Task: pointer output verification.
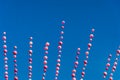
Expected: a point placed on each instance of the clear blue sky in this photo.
(42, 20)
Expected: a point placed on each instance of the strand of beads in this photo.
(5, 56)
(75, 65)
(15, 63)
(87, 53)
(107, 66)
(115, 64)
(30, 59)
(45, 60)
(59, 51)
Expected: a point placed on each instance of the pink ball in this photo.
(46, 48)
(5, 58)
(5, 51)
(74, 70)
(106, 68)
(73, 74)
(47, 44)
(83, 73)
(110, 78)
(30, 67)
(15, 65)
(45, 70)
(63, 22)
(87, 52)
(31, 43)
(46, 52)
(114, 67)
(78, 49)
(73, 78)
(105, 73)
(30, 51)
(118, 51)
(57, 71)
(58, 64)
(93, 30)
(57, 68)
(89, 44)
(91, 36)
(62, 32)
(15, 70)
(15, 61)
(15, 52)
(4, 38)
(45, 66)
(15, 47)
(45, 57)
(31, 38)
(6, 73)
(59, 47)
(15, 78)
(62, 27)
(76, 62)
(88, 48)
(4, 46)
(115, 63)
(30, 73)
(58, 60)
(60, 42)
(6, 66)
(14, 56)
(6, 76)
(108, 64)
(45, 62)
(30, 59)
(4, 33)
(85, 62)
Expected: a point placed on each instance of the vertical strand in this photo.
(59, 51)
(15, 63)
(75, 64)
(5, 56)
(87, 53)
(30, 59)
(114, 64)
(45, 60)
(107, 66)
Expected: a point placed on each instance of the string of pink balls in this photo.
(57, 70)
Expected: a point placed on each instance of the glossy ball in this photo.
(46, 48)
(4, 38)
(91, 36)
(63, 22)
(110, 78)
(31, 38)
(4, 33)
(105, 73)
(31, 43)
(93, 30)
(108, 64)
(87, 52)
(47, 44)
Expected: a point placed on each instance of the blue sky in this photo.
(42, 20)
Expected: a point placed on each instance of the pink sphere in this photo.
(4, 38)
(63, 22)
(47, 44)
